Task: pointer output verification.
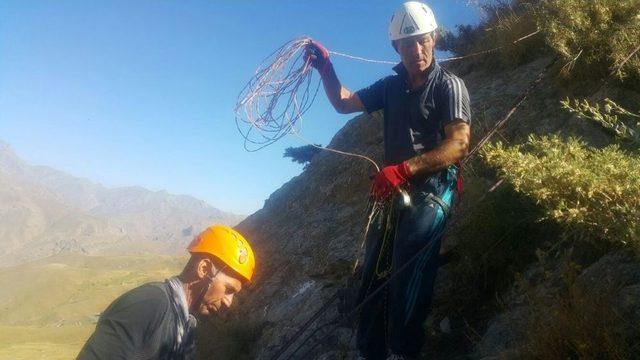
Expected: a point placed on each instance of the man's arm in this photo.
(452, 149)
(343, 100)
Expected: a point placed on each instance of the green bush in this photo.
(504, 22)
(595, 37)
(611, 116)
(595, 193)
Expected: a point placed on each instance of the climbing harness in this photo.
(443, 205)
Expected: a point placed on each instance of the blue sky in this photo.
(142, 92)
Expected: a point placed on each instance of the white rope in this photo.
(363, 59)
(454, 58)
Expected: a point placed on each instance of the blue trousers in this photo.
(393, 319)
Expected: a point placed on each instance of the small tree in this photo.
(302, 154)
(594, 192)
(597, 37)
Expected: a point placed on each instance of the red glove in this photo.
(388, 180)
(318, 56)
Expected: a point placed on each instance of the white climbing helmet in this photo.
(412, 18)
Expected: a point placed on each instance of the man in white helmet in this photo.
(426, 132)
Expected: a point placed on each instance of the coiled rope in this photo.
(271, 103)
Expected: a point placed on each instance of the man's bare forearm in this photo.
(340, 97)
(451, 150)
(448, 153)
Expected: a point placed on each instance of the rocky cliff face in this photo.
(307, 235)
(44, 211)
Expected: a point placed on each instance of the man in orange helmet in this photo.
(155, 321)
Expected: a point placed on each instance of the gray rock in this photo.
(504, 332)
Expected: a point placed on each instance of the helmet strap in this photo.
(198, 300)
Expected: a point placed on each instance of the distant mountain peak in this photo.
(9, 160)
(53, 211)
(5, 148)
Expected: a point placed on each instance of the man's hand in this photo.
(343, 100)
(388, 180)
(318, 56)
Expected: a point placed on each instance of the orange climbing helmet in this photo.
(228, 246)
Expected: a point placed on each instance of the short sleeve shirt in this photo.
(414, 120)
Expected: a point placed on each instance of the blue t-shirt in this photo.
(414, 120)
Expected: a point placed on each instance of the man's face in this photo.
(416, 52)
(220, 294)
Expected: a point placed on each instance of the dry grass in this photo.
(49, 306)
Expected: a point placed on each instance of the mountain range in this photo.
(44, 211)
